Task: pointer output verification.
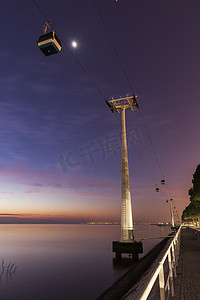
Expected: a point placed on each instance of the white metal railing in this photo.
(172, 254)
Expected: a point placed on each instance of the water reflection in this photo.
(7, 272)
(121, 264)
(62, 261)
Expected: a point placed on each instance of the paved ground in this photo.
(187, 283)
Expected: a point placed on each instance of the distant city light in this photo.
(74, 44)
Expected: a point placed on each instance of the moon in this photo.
(74, 44)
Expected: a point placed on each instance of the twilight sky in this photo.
(60, 143)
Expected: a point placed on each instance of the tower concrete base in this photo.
(133, 248)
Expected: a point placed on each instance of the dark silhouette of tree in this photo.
(192, 211)
(195, 191)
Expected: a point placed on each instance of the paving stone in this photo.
(187, 283)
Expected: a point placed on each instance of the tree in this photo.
(192, 211)
(195, 191)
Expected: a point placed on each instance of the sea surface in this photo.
(58, 262)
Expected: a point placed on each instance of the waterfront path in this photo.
(187, 283)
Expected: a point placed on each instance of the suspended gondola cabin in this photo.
(157, 190)
(163, 181)
(49, 43)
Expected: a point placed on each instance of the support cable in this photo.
(75, 58)
(113, 45)
(130, 85)
(68, 48)
(149, 172)
(93, 82)
(145, 166)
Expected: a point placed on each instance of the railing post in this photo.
(174, 258)
(171, 273)
(172, 254)
(179, 242)
(162, 283)
(178, 247)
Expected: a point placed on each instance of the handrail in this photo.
(165, 277)
(151, 238)
(172, 254)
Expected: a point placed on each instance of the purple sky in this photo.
(56, 163)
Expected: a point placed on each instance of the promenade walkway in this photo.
(187, 283)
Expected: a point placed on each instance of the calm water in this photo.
(63, 261)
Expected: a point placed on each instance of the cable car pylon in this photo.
(127, 244)
(172, 213)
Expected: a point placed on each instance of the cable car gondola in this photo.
(163, 181)
(157, 190)
(49, 43)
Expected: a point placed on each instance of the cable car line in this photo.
(130, 85)
(92, 81)
(113, 45)
(76, 59)
(152, 144)
(150, 174)
(126, 76)
(148, 171)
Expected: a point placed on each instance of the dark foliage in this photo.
(195, 191)
(192, 211)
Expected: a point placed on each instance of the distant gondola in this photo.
(163, 181)
(49, 43)
(157, 190)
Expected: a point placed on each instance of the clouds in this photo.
(11, 214)
(23, 174)
(33, 191)
(34, 181)
(48, 107)
(23, 124)
(10, 82)
(36, 191)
